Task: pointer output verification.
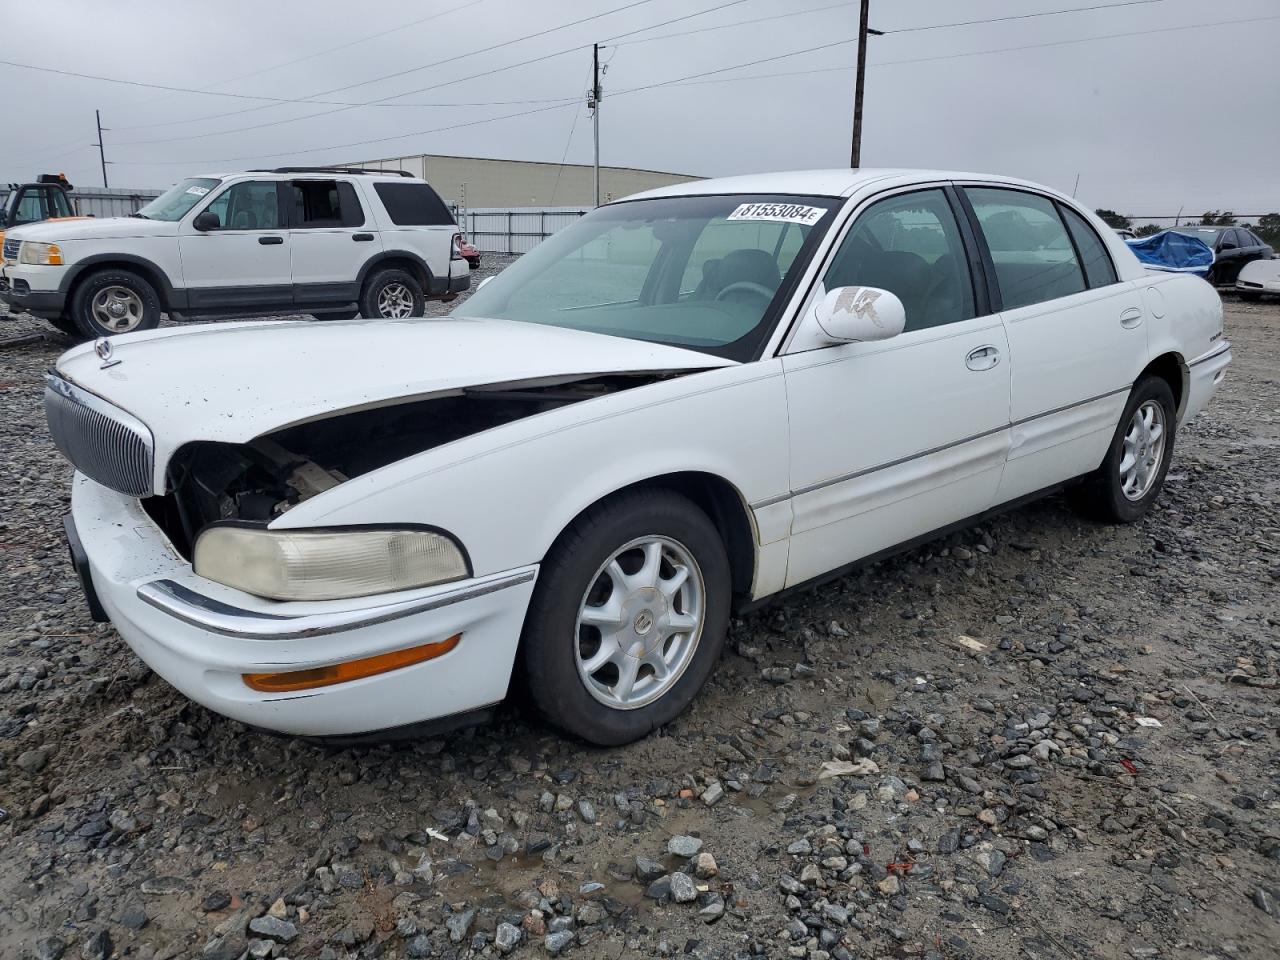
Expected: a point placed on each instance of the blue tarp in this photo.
(1173, 252)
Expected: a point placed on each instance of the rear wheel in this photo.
(1130, 478)
(628, 619)
(392, 294)
(114, 301)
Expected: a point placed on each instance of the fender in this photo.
(386, 255)
(170, 296)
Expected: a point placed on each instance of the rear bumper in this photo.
(202, 637)
(1206, 374)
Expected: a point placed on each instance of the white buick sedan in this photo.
(686, 403)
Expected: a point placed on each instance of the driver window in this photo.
(909, 245)
(30, 209)
(248, 205)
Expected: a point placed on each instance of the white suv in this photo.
(335, 242)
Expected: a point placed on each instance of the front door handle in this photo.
(361, 237)
(982, 358)
(1131, 318)
(270, 241)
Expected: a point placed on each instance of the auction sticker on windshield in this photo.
(778, 212)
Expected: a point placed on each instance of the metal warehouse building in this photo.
(476, 182)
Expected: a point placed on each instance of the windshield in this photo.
(1208, 234)
(173, 204)
(707, 273)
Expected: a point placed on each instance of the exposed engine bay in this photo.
(261, 480)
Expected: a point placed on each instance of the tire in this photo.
(392, 294)
(95, 301)
(1103, 496)
(573, 577)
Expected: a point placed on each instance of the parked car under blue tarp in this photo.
(1173, 252)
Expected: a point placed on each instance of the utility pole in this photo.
(102, 156)
(593, 101)
(855, 158)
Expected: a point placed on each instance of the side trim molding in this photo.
(185, 604)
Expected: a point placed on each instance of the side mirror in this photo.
(860, 313)
(480, 285)
(206, 221)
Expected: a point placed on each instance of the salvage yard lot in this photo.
(1040, 738)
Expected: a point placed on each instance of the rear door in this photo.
(1076, 334)
(330, 241)
(243, 264)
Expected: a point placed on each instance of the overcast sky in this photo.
(1149, 122)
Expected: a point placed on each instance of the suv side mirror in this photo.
(860, 313)
(208, 220)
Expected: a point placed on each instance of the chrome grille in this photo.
(11, 249)
(101, 441)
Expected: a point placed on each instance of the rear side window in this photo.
(316, 204)
(413, 205)
(1099, 271)
(1034, 258)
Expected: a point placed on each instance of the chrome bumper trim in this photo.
(1220, 349)
(215, 616)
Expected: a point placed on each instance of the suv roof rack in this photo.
(387, 173)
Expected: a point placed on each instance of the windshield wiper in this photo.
(140, 216)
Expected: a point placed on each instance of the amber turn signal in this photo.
(351, 670)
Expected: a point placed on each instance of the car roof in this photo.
(837, 182)
(308, 174)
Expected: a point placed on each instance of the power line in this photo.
(383, 101)
(471, 4)
(1024, 16)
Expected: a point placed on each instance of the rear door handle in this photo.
(1131, 318)
(361, 237)
(982, 358)
(270, 241)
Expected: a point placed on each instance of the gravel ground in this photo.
(1042, 738)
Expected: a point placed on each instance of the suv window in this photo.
(909, 245)
(248, 205)
(316, 204)
(413, 204)
(1099, 271)
(1033, 255)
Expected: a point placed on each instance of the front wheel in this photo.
(114, 301)
(1130, 478)
(628, 619)
(392, 295)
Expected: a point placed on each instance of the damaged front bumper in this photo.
(203, 637)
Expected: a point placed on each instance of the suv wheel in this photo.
(392, 295)
(114, 301)
(628, 619)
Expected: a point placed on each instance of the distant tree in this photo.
(1268, 228)
(1115, 220)
(1218, 218)
(1147, 229)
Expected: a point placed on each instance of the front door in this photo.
(896, 439)
(1075, 334)
(242, 265)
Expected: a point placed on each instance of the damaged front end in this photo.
(259, 481)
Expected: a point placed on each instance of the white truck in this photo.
(335, 242)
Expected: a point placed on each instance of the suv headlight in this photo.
(40, 254)
(327, 564)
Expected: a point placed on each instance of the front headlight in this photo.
(40, 254)
(326, 564)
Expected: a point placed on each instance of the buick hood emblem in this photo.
(102, 347)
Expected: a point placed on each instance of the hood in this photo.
(233, 382)
(93, 228)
